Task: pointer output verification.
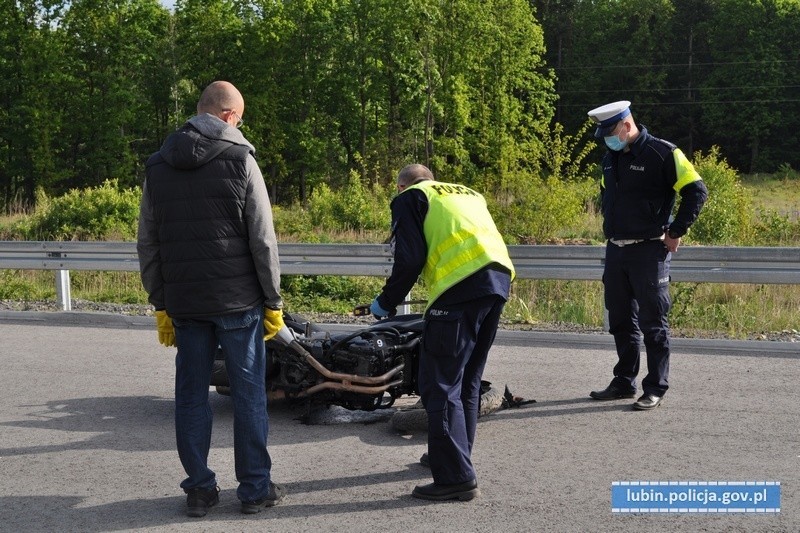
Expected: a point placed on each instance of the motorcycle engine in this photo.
(367, 353)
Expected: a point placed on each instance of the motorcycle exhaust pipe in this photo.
(286, 337)
(348, 387)
(352, 378)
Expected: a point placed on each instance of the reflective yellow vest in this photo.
(461, 235)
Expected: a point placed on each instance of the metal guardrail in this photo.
(711, 264)
(335, 259)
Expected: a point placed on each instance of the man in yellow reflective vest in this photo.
(444, 232)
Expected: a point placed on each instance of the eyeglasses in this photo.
(239, 120)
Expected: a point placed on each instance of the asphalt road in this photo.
(87, 444)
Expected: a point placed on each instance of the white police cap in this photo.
(607, 116)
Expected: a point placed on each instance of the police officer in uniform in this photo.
(642, 176)
(444, 232)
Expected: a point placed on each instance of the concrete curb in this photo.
(710, 346)
(82, 319)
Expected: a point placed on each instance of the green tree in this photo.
(110, 45)
(371, 85)
(305, 62)
(207, 35)
(510, 88)
(695, 70)
(680, 116)
(31, 62)
(743, 96)
(486, 94)
(614, 51)
(162, 90)
(261, 78)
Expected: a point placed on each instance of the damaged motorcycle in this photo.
(365, 370)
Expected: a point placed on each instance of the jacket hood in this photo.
(199, 140)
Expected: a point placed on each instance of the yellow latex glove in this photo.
(273, 322)
(166, 333)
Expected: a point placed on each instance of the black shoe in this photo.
(424, 461)
(647, 402)
(199, 501)
(460, 491)
(612, 392)
(276, 494)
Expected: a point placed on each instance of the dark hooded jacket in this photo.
(206, 241)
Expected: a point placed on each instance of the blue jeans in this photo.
(241, 337)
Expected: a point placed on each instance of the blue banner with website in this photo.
(695, 497)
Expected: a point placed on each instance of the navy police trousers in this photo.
(636, 280)
(455, 344)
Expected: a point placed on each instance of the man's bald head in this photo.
(220, 96)
(412, 174)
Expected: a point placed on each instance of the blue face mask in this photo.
(615, 144)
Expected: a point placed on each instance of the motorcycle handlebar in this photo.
(363, 310)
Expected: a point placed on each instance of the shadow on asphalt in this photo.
(146, 423)
(162, 512)
(125, 423)
(548, 408)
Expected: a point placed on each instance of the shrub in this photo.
(727, 217)
(354, 207)
(786, 172)
(100, 213)
(775, 229)
(328, 294)
(569, 157)
(19, 285)
(294, 221)
(533, 210)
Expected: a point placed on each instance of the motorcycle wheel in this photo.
(415, 419)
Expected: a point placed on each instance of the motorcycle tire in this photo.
(415, 419)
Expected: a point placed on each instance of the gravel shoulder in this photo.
(792, 335)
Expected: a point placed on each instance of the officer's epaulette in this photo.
(669, 144)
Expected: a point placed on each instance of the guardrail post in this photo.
(63, 290)
(405, 308)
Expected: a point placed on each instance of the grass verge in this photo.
(737, 311)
